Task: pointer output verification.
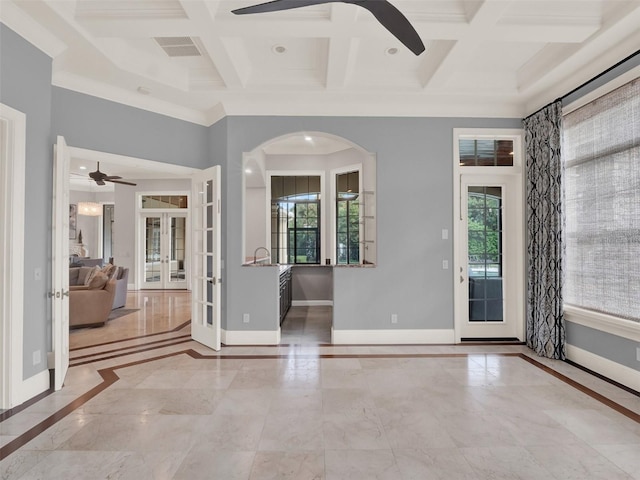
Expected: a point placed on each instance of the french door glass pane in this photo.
(152, 250)
(484, 247)
(177, 248)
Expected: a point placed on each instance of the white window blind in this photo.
(601, 151)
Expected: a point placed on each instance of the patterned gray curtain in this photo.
(545, 318)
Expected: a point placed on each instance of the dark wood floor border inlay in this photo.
(110, 376)
(140, 350)
(104, 352)
(17, 409)
(586, 390)
(174, 330)
(602, 377)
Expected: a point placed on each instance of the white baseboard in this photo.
(31, 387)
(312, 303)
(392, 337)
(612, 370)
(250, 337)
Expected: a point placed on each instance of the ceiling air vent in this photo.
(178, 46)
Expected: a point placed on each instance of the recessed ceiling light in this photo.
(391, 51)
(247, 170)
(82, 167)
(278, 49)
(308, 138)
(143, 90)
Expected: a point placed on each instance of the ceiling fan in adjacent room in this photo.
(100, 177)
(389, 16)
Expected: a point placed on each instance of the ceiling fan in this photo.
(100, 177)
(388, 15)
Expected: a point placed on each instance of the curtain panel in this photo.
(545, 327)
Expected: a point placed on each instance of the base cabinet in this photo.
(285, 293)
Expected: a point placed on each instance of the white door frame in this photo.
(12, 182)
(517, 172)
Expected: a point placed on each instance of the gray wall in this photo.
(25, 84)
(617, 349)
(414, 204)
(311, 283)
(97, 124)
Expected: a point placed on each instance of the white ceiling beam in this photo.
(138, 27)
(258, 27)
(341, 52)
(484, 19)
(230, 58)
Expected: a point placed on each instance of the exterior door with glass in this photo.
(164, 238)
(490, 265)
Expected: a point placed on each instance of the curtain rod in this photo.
(593, 79)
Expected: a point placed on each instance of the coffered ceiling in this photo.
(195, 60)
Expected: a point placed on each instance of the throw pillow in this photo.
(91, 274)
(108, 269)
(98, 281)
(83, 274)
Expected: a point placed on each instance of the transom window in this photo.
(486, 152)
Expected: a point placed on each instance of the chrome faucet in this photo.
(255, 254)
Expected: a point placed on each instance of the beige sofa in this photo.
(90, 307)
(77, 276)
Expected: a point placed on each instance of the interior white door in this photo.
(206, 257)
(164, 237)
(60, 262)
(490, 280)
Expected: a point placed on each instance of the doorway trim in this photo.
(517, 171)
(13, 133)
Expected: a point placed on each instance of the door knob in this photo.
(461, 279)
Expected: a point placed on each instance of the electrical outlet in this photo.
(37, 357)
(246, 318)
(394, 318)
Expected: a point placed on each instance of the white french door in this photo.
(206, 257)
(490, 258)
(164, 244)
(60, 262)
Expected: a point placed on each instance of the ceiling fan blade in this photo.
(277, 5)
(112, 177)
(100, 182)
(121, 181)
(393, 20)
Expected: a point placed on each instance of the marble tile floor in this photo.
(310, 411)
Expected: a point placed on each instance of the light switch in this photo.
(445, 234)
(445, 264)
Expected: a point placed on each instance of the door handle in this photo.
(461, 279)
